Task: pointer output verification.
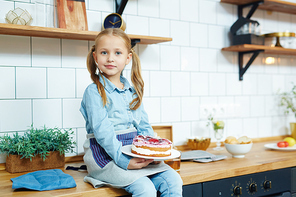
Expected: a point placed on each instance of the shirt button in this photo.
(129, 112)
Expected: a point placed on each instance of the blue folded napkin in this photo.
(44, 180)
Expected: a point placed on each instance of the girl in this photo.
(114, 115)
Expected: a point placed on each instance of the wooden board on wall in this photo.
(72, 14)
(164, 131)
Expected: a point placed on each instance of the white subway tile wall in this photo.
(47, 112)
(5, 7)
(7, 82)
(170, 109)
(184, 127)
(15, 51)
(30, 82)
(189, 108)
(15, 114)
(80, 138)
(146, 78)
(149, 8)
(160, 83)
(94, 20)
(46, 52)
(150, 57)
(61, 82)
(199, 84)
(74, 53)
(199, 35)
(152, 108)
(71, 116)
(42, 80)
(142, 25)
(155, 24)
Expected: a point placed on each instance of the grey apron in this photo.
(111, 174)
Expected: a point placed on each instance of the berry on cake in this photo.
(150, 146)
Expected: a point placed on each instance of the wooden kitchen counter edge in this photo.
(259, 159)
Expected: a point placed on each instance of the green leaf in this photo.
(288, 101)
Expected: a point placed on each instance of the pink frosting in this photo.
(149, 141)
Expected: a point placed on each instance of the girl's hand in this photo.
(138, 163)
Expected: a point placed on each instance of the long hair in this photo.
(136, 76)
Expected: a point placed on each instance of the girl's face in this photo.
(111, 55)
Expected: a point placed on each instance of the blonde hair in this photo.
(136, 76)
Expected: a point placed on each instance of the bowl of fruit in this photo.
(238, 148)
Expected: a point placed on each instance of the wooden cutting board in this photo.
(72, 14)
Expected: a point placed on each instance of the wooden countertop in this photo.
(259, 159)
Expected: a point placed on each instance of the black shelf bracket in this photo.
(251, 12)
(242, 69)
(120, 5)
(134, 42)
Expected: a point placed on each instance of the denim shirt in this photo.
(116, 115)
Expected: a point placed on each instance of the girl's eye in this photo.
(103, 52)
(118, 53)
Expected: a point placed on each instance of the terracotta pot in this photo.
(293, 129)
(15, 164)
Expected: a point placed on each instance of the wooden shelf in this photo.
(255, 50)
(48, 32)
(271, 5)
(267, 49)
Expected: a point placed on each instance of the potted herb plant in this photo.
(288, 100)
(37, 149)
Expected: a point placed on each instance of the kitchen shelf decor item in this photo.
(48, 32)
(72, 14)
(19, 16)
(218, 127)
(246, 31)
(37, 149)
(255, 50)
(278, 35)
(114, 20)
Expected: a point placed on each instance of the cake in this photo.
(150, 146)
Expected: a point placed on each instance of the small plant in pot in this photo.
(37, 149)
(288, 101)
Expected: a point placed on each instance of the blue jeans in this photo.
(168, 183)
